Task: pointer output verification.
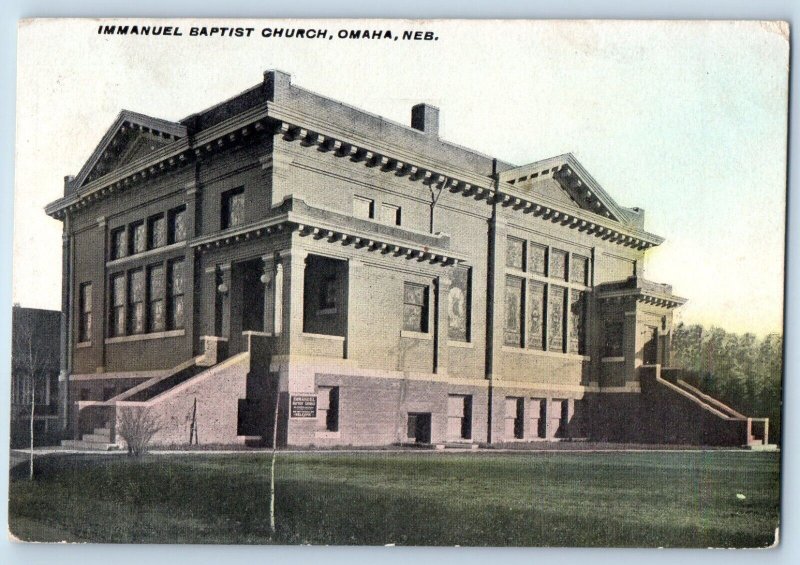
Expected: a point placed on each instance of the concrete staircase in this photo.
(98, 440)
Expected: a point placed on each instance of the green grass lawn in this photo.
(498, 499)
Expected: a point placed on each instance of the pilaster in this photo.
(440, 351)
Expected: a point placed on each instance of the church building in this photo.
(285, 265)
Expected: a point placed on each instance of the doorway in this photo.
(650, 349)
(419, 427)
(247, 302)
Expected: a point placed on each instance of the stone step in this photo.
(102, 431)
(96, 438)
(80, 444)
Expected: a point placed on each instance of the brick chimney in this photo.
(425, 118)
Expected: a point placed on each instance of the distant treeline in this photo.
(741, 370)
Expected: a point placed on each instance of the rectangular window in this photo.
(155, 298)
(538, 259)
(459, 416)
(558, 264)
(515, 417)
(327, 293)
(328, 408)
(577, 329)
(119, 243)
(85, 322)
(513, 314)
(363, 208)
(415, 307)
(177, 225)
(117, 292)
(390, 214)
(176, 288)
(232, 208)
(459, 304)
(515, 254)
(157, 232)
(136, 301)
(579, 270)
(612, 343)
(536, 315)
(138, 238)
(555, 316)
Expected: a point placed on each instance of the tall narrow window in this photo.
(555, 317)
(232, 208)
(119, 243)
(536, 315)
(136, 301)
(138, 238)
(85, 322)
(538, 259)
(558, 264)
(577, 329)
(155, 298)
(415, 307)
(513, 314)
(177, 225)
(176, 288)
(117, 292)
(515, 253)
(579, 269)
(157, 232)
(459, 307)
(328, 408)
(363, 208)
(390, 214)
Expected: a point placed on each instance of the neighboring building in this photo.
(386, 285)
(34, 367)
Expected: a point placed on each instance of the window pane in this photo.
(612, 346)
(458, 303)
(412, 318)
(237, 209)
(137, 286)
(177, 227)
(558, 264)
(538, 262)
(536, 309)
(118, 290)
(177, 280)
(513, 314)
(515, 253)
(577, 331)
(86, 299)
(156, 282)
(138, 245)
(177, 312)
(578, 270)
(156, 316)
(414, 294)
(158, 232)
(555, 318)
(119, 243)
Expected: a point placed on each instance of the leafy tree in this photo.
(741, 370)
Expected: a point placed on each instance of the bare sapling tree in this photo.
(272, 466)
(137, 426)
(30, 362)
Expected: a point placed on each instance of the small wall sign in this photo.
(304, 406)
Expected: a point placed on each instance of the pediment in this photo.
(131, 137)
(563, 180)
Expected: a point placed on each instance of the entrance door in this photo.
(650, 349)
(419, 427)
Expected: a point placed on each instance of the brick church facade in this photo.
(369, 283)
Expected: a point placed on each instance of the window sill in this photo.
(146, 254)
(143, 337)
(83, 344)
(322, 336)
(416, 335)
(558, 354)
(612, 360)
(464, 344)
